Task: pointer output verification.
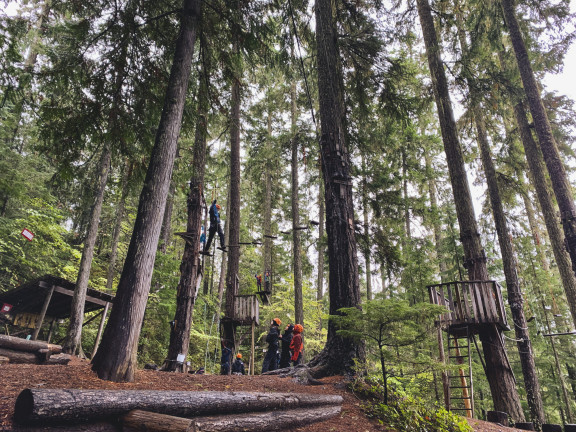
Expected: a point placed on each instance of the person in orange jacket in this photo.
(296, 345)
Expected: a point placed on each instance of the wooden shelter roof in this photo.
(29, 297)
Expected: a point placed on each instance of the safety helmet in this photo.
(277, 321)
(239, 355)
(218, 206)
(298, 328)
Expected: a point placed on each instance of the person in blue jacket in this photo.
(214, 227)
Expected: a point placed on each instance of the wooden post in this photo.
(51, 331)
(43, 312)
(99, 335)
(252, 349)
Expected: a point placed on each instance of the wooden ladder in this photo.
(461, 384)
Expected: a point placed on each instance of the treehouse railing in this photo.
(246, 309)
(469, 303)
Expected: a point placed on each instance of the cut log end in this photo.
(24, 406)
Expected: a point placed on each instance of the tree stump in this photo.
(529, 426)
(497, 417)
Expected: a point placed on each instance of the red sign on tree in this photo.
(27, 234)
(6, 308)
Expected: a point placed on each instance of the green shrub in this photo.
(406, 413)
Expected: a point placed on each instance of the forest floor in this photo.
(77, 375)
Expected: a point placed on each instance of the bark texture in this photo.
(233, 221)
(498, 371)
(340, 353)
(191, 265)
(116, 357)
(259, 422)
(71, 405)
(321, 217)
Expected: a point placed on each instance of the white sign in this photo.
(27, 234)
(180, 358)
(6, 308)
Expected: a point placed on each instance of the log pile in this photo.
(18, 350)
(161, 411)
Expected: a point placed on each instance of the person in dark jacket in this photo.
(296, 345)
(286, 339)
(225, 360)
(238, 365)
(271, 358)
(213, 228)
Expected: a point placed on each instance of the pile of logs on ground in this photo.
(18, 350)
(177, 411)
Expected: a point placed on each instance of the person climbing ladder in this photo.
(214, 227)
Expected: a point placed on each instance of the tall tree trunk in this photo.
(191, 265)
(118, 226)
(499, 373)
(233, 221)
(321, 213)
(74, 333)
(538, 176)
(515, 299)
(267, 216)
(560, 183)
(339, 354)
(367, 245)
(296, 249)
(116, 358)
(165, 232)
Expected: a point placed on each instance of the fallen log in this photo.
(139, 420)
(71, 405)
(22, 357)
(19, 344)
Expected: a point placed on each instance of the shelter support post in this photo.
(43, 312)
(99, 335)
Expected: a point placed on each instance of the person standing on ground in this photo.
(296, 345)
(214, 227)
(238, 365)
(225, 360)
(286, 340)
(271, 358)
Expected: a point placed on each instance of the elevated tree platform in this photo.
(471, 304)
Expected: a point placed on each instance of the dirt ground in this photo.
(77, 375)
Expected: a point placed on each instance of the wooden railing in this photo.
(246, 309)
(469, 302)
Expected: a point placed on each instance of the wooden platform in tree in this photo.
(470, 303)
